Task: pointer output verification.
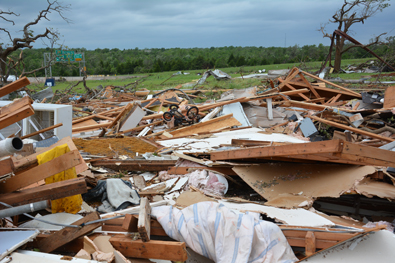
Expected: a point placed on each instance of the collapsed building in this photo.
(300, 170)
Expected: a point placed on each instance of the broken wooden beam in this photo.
(30, 161)
(14, 86)
(40, 172)
(332, 84)
(155, 249)
(16, 111)
(143, 223)
(335, 151)
(6, 166)
(45, 192)
(69, 234)
(215, 124)
(136, 165)
(41, 131)
(282, 150)
(356, 130)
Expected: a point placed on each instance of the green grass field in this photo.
(164, 80)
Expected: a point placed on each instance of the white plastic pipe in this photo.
(10, 146)
(18, 210)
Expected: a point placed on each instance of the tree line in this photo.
(129, 61)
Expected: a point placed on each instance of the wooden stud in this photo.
(283, 150)
(309, 86)
(6, 166)
(269, 109)
(129, 223)
(310, 243)
(14, 86)
(332, 84)
(155, 249)
(69, 234)
(40, 172)
(144, 224)
(41, 131)
(356, 130)
(45, 192)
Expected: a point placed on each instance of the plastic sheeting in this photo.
(223, 235)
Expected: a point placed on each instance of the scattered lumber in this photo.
(143, 223)
(69, 234)
(356, 130)
(334, 151)
(16, 111)
(154, 249)
(135, 165)
(57, 165)
(45, 192)
(14, 86)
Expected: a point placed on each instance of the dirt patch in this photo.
(120, 146)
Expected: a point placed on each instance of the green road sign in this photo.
(77, 57)
(64, 55)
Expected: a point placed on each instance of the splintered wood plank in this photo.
(332, 84)
(31, 160)
(184, 170)
(310, 243)
(292, 88)
(291, 75)
(322, 239)
(15, 105)
(309, 85)
(69, 234)
(45, 170)
(41, 131)
(136, 165)
(356, 130)
(370, 152)
(46, 192)
(222, 122)
(155, 249)
(85, 124)
(6, 166)
(90, 127)
(15, 116)
(389, 97)
(332, 146)
(143, 224)
(14, 86)
(129, 223)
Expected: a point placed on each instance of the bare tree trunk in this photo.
(338, 53)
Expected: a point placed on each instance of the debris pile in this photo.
(298, 170)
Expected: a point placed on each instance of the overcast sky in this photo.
(127, 24)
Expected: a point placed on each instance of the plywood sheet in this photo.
(84, 124)
(389, 97)
(304, 180)
(370, 188)
(212, 125)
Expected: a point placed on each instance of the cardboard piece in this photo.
(83, 254)
(370, 188)
(188, 198)
(305, 180)
(103, 244)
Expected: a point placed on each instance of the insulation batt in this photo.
(225, 236)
